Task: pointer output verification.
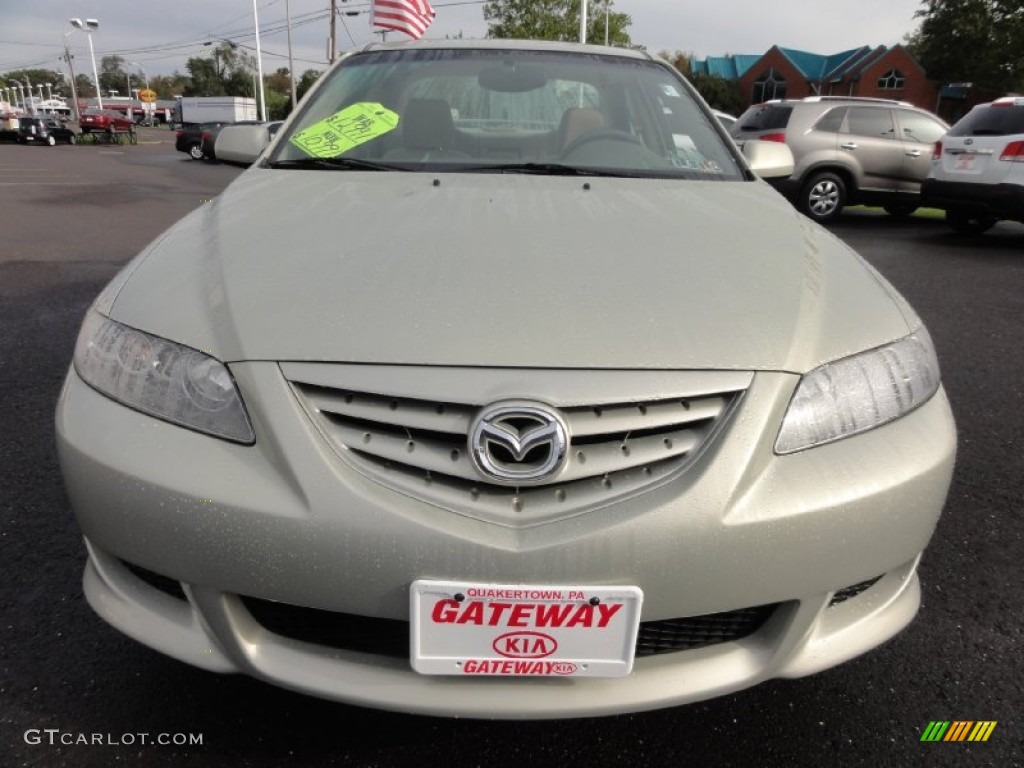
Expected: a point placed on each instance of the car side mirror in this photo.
(769, 159)
(241, 144)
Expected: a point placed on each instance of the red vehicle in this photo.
(106, 121)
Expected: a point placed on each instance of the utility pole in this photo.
(74, 85)
(332, 41)
(291, 63)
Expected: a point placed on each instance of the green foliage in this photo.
(35, 77)
(308, 79)
(679, 60)
(978, 41)
(278, 103)
(114, 76)
(720, 93)
(555, 20)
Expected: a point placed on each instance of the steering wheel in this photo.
(606, 134)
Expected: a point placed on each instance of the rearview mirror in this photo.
(512, 78)
(241, 144)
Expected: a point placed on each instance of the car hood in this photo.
(506, 270)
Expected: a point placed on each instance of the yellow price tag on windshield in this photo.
(346, 129)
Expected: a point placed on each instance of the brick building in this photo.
(881, 72)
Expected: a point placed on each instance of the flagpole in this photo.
(583, 21)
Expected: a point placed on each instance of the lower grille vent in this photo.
(390, 637)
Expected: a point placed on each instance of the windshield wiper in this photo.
(542, 169)
(334, 164)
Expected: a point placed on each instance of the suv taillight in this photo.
(1014, 152)
(178, 134)
(206, 136)
(779, 137)
(937, 150)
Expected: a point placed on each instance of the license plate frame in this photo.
(523, 630)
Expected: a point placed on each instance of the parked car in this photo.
(209, 137)
(727, 120)
(977, 172)
(105, 121)
(189, 138)
(501, 386)
(226, 150)
(847, 151)
(44, 130)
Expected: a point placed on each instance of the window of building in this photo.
(893, 80)
(769, 85)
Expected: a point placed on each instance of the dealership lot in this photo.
(73, 215)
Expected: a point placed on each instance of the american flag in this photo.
(409, 16)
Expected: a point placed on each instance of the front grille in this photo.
(670, 635)
(390, 637)
(344, 631)
(420, 446)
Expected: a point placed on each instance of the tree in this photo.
(308, 79)
(977, 41)
(720, 93)
(35, 78)
(204, 79)
(86, 87)
(113, 76)
(555, 20)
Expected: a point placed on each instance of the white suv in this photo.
(977, 173)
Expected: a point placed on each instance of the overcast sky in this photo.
(160, 35)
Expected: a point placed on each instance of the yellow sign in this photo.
(147, 96)
(346, 129)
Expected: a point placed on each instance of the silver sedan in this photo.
(500, 385)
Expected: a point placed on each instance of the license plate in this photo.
(964, 162)
(519, 630)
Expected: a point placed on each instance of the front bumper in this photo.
(287, 521)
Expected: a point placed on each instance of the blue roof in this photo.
(820, 67)
(728, 67)
(815, 67)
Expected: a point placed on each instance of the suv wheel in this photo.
(196, 152)
(969, 224)
(51, 141)
(823, 197)
(900, 210)
(72, 139)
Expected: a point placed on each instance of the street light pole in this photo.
(89, 25)
(21, 92)
(583, 21)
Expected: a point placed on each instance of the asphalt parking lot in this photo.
(71, 216)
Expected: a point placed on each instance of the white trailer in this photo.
(206, 109)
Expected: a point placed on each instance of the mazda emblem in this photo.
(518, 443)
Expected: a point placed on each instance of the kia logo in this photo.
(518, 443)
(525, 645)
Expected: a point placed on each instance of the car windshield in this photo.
(500, 110)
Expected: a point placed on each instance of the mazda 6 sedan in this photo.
(502, 386)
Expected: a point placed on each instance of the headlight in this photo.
(167, 380)
(860, 392)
